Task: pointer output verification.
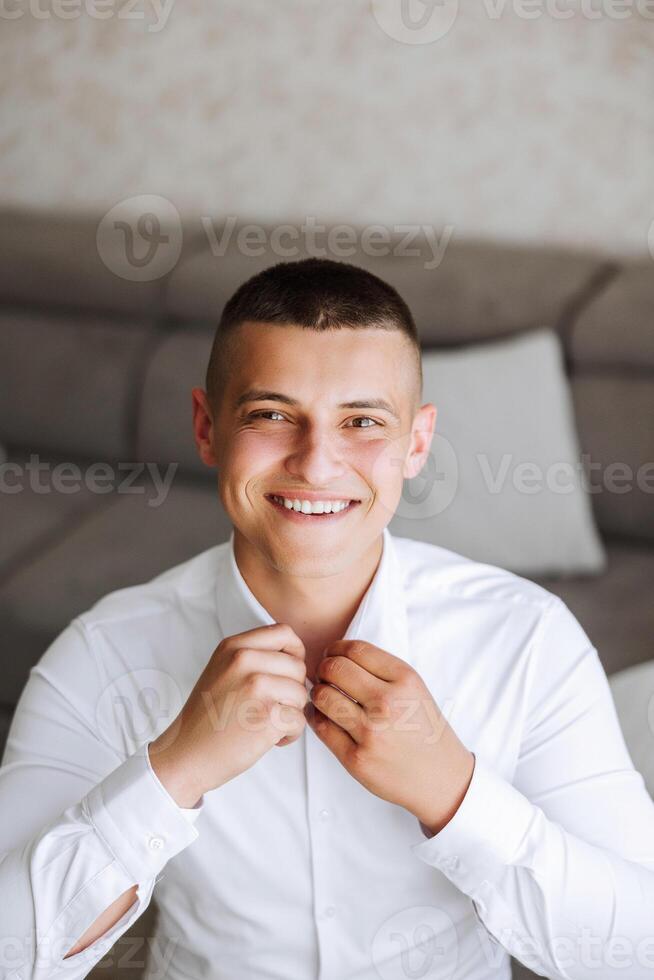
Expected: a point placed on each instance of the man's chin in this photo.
(308, 559)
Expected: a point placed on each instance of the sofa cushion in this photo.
(482, 291)
(128, 956)
(165, 425)
(633, 693)
(201, 284)
(616, 328)
(124, 541)
(615, 609)
(6, 715)
(614, 420)
(474, 291)
(67, 382)
(53, 260)
(502, 483)
(37, 506)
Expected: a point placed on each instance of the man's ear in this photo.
(203, 427)
(422, 433)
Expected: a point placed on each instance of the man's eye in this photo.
(256, 415)
(268, 412)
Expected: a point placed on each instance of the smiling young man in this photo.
(452, 783)
(313, 398)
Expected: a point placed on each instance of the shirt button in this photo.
(324, 814)
(330, 911)
(156, 843)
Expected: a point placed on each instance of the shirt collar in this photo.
(381, 616)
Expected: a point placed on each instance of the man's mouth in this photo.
(310, 511)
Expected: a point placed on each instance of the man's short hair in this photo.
(318, 294)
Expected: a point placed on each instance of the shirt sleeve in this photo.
(559, 863)
(82, 822)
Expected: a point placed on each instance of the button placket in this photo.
(321, 820)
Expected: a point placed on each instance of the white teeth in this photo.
(313, 507)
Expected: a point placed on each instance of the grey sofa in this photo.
(96, 368)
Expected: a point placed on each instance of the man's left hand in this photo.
(385, 728)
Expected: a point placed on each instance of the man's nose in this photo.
(316, 458)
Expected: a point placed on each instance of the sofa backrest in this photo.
(611, 352)
(128, 353)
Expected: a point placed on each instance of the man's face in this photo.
(284, 428)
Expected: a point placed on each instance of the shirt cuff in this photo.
(193, 813)
(138, 819)
(489, 831)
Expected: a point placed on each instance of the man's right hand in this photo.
(249, 697)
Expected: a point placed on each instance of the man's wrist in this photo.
(431, 825)
(173, 777)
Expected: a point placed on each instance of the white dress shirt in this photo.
(293, 870)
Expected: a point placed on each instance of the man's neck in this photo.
(319, 609)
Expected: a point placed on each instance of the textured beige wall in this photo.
(508, 126)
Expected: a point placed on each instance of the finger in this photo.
(350, 677)
(335, 738)
(286, 691)
(286, 740)
(294, 720)
(277, 636)
(270, 662)
(380, 663)
(339, 708)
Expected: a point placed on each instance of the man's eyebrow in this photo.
(262, 395)
(380, 403)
